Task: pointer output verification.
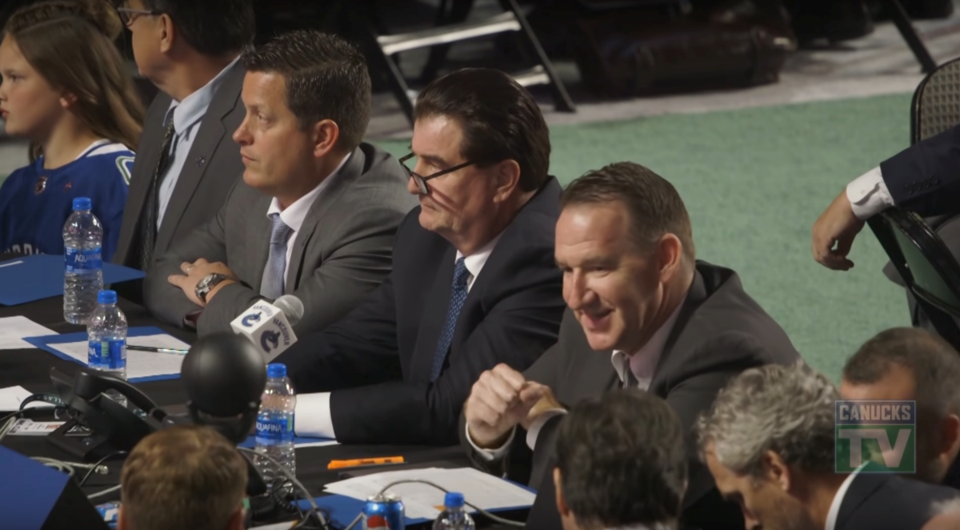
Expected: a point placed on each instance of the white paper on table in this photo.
(422, 501)
(14, 329)
(11, 397)
(139, 363)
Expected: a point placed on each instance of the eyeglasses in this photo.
(422, 180)
(129, 15)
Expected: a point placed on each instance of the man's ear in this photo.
(776, 470)
(236, 520)
(507, 178)
(325, 136)
(121, 519)
(670, 251)
(949, 437)
(561, 500)
(167, 32)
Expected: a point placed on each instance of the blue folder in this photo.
(31, 278)
(45, 342)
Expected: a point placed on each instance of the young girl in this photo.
(66, 89)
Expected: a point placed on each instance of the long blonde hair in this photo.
(70, 44)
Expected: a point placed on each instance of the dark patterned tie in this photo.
(458, 293)
(148, 225)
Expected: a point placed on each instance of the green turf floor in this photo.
(754, 181)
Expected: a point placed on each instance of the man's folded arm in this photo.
(924, 178)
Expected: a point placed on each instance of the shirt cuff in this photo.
(869, 195)
(313, 419)
(538, 424)
(490, 455)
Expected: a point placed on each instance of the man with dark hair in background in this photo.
(186, 163)
(473, 281)
(186, 476)
(317, 209)
(620, 464)
(643, 313)
(912, 364)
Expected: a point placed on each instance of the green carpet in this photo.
(754, 181)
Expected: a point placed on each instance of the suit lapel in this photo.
(349, 173)
(860, 490)
(433, 316)
(259, 238)
(695, 296)
(209, 135)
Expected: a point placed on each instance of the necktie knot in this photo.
(279, 231)
(460, 274)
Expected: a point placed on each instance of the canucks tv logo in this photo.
(882, 433)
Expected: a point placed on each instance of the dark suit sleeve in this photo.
(168, 302)
(515, 331)
(925, 178)
(358, 350)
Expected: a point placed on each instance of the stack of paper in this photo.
(11, 397)
(14, 329)
(423, 501)
(140, 364)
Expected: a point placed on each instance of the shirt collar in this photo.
(475, 262)
(834, 511)
(656, 526)
(644, 362)
(194, 106)
(294, 215)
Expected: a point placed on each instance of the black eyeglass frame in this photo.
(422, 180)
(128, 15)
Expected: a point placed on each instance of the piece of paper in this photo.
(14, 329)
(423, 501)
(11, 397)
(139, 363)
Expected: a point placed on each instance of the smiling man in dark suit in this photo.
(317, 209)
(643, 313)
(473, 281)
(186, 163)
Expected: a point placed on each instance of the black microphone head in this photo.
(223, 374)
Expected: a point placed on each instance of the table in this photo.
(30, 368)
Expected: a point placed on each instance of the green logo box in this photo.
(881, 433)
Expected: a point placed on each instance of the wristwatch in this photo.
(207, 284)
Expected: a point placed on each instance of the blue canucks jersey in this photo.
(35, 202)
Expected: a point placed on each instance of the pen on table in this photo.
(134, 347)
(340, 464)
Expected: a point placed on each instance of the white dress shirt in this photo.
(834, 511)
(869, 195)
(293, 215)
(642, 365)
(187, 116)
(313, 410)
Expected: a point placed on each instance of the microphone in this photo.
(270, 326)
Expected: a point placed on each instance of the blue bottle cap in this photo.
(107, 297)
(453, 500)
(276, 370)
(81, 203)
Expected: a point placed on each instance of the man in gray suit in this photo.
(316, 211)
(186, 163)
(644, 313)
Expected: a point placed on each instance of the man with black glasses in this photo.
(473, 284)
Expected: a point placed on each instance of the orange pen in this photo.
(340, 464)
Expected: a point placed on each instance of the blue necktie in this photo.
(458, 293)
(272, 285)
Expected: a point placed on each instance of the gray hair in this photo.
(785, 409)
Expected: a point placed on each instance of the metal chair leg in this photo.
(909, 34)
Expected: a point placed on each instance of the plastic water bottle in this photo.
(107, 339)
(83, 279)
(453, 517)
(275, 424)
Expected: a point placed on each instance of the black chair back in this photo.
(928, 269)
(936, 102)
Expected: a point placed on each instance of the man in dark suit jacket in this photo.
(911, 364)
(643, 313)
(317, 210)
(186, 163)
(770, 442)
(473, 281)
(923, 178)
